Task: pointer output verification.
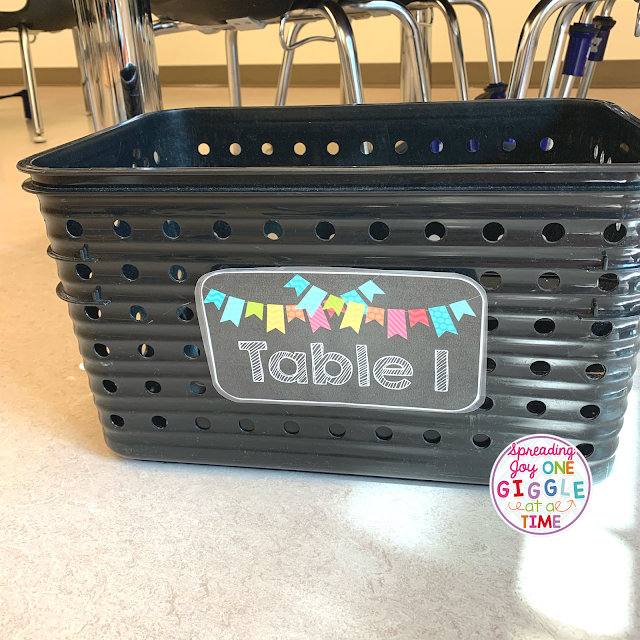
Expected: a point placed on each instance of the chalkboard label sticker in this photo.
(404, 340)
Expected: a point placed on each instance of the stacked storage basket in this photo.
(538, 201)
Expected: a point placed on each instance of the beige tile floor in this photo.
(94, 546)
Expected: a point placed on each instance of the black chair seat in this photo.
(207, 12)
(40, 15)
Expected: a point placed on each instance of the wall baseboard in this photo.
(609, 74)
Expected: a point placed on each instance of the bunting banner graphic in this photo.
(233, 310)
(216, 297)
(370, 289)
(298, 283)
(396, 323)
(293, 313)
(312, 300)
(461, 308)
(418, 315)
(334, 304)
(442, 321)
(318, 319)
(275, 317)
(354, 296)
(353, 316)
(375, 314)
(319, 307)
(254, 309)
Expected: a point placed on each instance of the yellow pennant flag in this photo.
(335, 303)
(353, 316)
(255, 309)
(275, 317)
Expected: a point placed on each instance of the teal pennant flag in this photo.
(461, 308)
(312, 300)
(233, 310)
(217, 297)
(298, 283)
(442, 321)
(370, 289)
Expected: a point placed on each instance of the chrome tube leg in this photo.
(349, 64)
(29, 75)
(528, 44)
(424, 20)
(489, 37)
(566, 84)
(457, 53)
(589, 70)
(117, 44)
(413, 43)
(284, 78)
(556, 51)
(83, 72)
(233, 67)
(407, 93)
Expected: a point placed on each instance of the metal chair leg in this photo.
(343, 37)
(556, 50)
(83, 71)
(489, 37)
(284, 78)
(583, 90)
(30, 84)
(349, 64)
(528, 44)
(233, 67)
(422, 86)
(118, 48)
(455, 42)
(566, 84)
(407, 84)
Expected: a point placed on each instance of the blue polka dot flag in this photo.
(442, 321)
(354, 296)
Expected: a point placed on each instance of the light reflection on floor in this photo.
(584, 578)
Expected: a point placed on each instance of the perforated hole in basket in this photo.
(325, 230)
(333, 148)
(74, 228)
(122, 228)
(137, 313)
(185, 314)
(435, 231)
(379, 231)
(431, 436)
(130, 272)
(191, 351)
(272, 230)
(171, 229)
(178, 273)
(615, 233)
(83, 271)
(221, 229)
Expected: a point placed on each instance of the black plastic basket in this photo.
(537, 200)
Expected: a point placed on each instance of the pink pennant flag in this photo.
(418, 315)
(396, 323)
(319, 319)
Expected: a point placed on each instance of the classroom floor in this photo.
(96, 546)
